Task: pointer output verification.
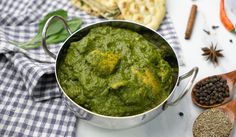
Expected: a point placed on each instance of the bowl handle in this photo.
(44, 33)
(193, 73)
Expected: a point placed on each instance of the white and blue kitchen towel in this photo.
(30, 100)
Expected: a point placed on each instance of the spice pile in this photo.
(212, 123)
(211, 90)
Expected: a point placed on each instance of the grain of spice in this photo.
(207, 32)
(215, 27)
(212, 123)
(181, 114)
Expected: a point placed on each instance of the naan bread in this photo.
(147, 12)
(107, 8)
(85, 7)
(103, 5)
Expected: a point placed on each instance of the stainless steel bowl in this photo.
(111, 122)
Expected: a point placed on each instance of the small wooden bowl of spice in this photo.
(214, 91)
(216, 122)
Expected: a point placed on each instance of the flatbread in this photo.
(85, 7)
(102, 5)
(107, 8)
(147, 12)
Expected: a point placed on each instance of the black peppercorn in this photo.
(181, 114)
(211, 91)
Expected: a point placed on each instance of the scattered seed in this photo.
(181, 114)
(207, 32)
(215, 27)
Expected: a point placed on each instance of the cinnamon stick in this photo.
(191, 21)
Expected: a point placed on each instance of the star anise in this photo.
(212, 53)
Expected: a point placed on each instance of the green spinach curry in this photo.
(116, 72)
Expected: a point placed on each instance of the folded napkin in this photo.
(30, 100)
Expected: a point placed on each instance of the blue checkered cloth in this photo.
(30, 101)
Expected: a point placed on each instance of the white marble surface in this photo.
(169, 123)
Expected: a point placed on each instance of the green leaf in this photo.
(54, 38)
(31, 43)
(56, 32)
(59, 12)
(74, 24)
(55, 26)
(57, 38)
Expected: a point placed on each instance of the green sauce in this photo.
(115, 72)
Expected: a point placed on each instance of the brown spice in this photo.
(212, 53)
(191, 21)
(212, 123)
